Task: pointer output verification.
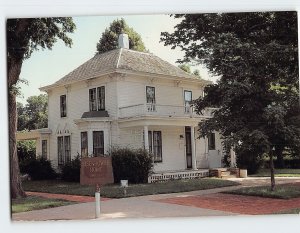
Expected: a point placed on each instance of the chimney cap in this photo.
(123, 41)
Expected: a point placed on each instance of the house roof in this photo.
(122, 60)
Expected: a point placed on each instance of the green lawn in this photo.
(285, 191)
(115, 191)
(291, 211)
(278, 173)
(36, 203)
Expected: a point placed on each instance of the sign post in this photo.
(96, 171)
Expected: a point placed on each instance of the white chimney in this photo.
(123, 41)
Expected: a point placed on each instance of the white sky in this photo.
(45, 67)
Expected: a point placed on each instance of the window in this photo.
(93, 101)
(155, 145)
(211, 141)
(150, 98)
(84, 144)
(187, 101)
(63, 149)
(97, 98)
(98, 143)
(63, 106)
(101, 98)
(44, 149)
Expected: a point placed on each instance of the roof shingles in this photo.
(122, 59)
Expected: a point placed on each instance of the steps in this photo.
(225, 173)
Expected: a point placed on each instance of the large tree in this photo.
(34, 114)
(23, 37)
(109, 38)
(256, 57)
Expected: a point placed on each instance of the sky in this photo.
(45, 67)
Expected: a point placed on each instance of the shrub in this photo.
(132, 165)
(26, 150)
(247, 159)
(71, 171)
(38, 169)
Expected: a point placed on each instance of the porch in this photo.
(41, 136)
(176, 175)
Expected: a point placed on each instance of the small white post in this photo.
(97, 198)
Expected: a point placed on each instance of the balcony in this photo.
(142, 110)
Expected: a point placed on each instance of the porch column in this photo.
(146, 139)
(232, 158)
(193, 144)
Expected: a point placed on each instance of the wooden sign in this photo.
(96, 171)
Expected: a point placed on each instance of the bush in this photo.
(26, 150)
(38, 169)
(71, 171)
(132, 165)
(248, 160)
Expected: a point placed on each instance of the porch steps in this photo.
(225, 173)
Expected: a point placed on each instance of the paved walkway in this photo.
(188, 204)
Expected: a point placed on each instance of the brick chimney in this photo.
(123, 41)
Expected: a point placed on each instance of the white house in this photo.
(132, 99)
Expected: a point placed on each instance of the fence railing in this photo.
(162, 110)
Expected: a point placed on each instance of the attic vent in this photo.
(123, 41)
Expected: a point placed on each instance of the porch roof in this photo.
(32, 134)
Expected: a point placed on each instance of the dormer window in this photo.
(97, 98)
(63, 106)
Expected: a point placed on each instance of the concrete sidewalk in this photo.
(141, 207)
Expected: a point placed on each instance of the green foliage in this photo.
(34, 115)
(109, 38)
(132, 165)
(186, 68)
(71, 171)
(26, 150)
(38, 169)
(24, 35)
(256, 57)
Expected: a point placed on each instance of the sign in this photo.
(96, 171)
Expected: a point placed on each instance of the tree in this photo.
(23, 37)
(34, 115)
(109, 38)
(186, 68)
(252, 53)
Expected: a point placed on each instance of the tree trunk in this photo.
(272, 171)
(16, 189)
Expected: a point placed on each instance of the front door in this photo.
(188, 147)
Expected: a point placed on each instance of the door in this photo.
(214, 156)
(188, 147)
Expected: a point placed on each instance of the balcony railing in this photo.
(162, 110)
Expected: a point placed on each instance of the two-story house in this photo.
(131, 99)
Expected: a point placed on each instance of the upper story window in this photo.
(63, 106)
(150, 98)
(187, 101)
(97, 98)
(211, 141)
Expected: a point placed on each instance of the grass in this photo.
(285, 191)
(115, 191)
(278, 173)
(291, 211)
(36, 203)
